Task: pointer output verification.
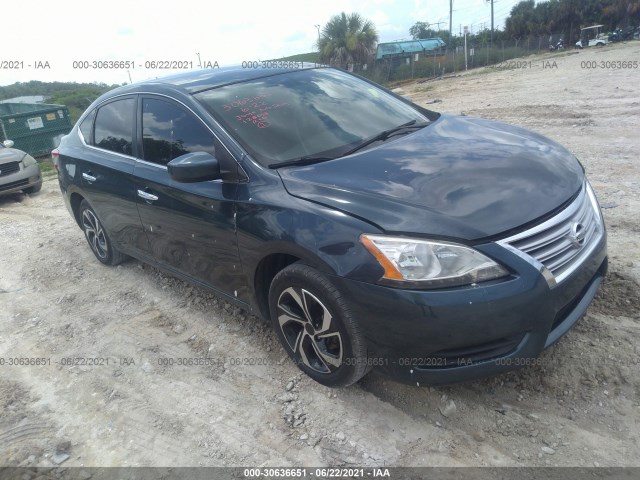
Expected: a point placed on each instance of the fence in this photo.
(435, 64)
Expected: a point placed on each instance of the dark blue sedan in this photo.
(370, 232)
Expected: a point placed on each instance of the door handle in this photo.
(88, 177)
(147, 196)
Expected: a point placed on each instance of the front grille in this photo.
(9, 186)
(563, 242)
(9, 168)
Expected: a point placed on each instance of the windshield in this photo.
(310, 113)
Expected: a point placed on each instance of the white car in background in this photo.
(19, 171)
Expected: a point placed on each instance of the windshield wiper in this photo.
(386, 134)
(311, 159)
(306, 160)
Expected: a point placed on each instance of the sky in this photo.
(54, 35)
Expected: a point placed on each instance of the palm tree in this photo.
(347, 39)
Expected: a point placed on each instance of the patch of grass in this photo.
(46, 167)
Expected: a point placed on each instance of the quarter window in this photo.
(168, 131)
(86, 127)
(114, 126)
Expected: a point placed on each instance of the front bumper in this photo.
(20, 180)
(451, 335)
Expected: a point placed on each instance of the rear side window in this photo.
(169, 131)
(114, 126)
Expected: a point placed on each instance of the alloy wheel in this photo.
(310, 330)
(94, 233)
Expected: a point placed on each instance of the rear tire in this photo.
(314, 325)
(97, 237)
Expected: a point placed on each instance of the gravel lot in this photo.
(579, 407)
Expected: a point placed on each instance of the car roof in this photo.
(200, 80)
(184, 85)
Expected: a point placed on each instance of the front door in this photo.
(190, 226)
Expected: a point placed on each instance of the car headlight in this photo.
(430, 264)
(28, 160)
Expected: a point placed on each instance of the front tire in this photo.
(33, 188)
(314, 325)
(97, 237)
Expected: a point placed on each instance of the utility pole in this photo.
(450, 19)
(318, 28)
(491, 21)
(435, 23)
(466, 30)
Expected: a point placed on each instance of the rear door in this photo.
(190, 226)
(106, 171)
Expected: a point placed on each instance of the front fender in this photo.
(320, 236)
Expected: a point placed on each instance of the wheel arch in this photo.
(75, 200)
(275, 260)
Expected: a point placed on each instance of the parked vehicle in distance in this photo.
(370, 232)
(622, 34)
(559, 45)
(592, 37)
(19, 171)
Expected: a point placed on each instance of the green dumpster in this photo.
(34, 128)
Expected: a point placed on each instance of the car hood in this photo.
(10, 155)
(460, 177)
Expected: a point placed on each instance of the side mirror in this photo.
(8, 143)
(194, 167)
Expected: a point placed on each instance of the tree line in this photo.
(529, 18)
(553, 17)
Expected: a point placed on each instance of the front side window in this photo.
(306, 113)
(169, 131)
(114, 126)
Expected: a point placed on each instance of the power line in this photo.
(500, 13)
(497, 13)
(499, 19)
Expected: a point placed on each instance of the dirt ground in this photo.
(579, 407)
